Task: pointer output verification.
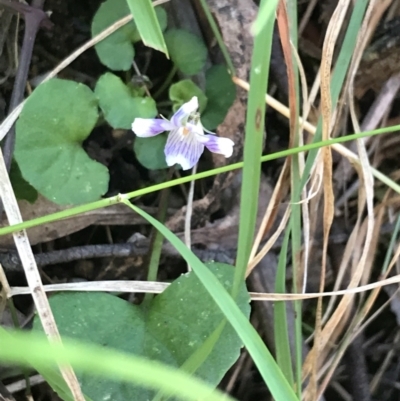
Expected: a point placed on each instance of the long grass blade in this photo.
(253, 141)
(281, 335)
(103, 362)
(287, 23)
(147, 24)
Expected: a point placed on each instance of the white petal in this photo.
(146, 127)
(216, 144)
(185, 111)
(183, 149)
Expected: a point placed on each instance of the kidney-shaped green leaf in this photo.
(176, 325)
(56, 119)
(184, 316)
(187, 51)
(115, 51)
(120, 108)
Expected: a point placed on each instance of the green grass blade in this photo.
(294, 228)
(35, 349)
(253, 141)
(281, 333)
(269, 370)
(263, 18)
(147, 24)
(218, 37)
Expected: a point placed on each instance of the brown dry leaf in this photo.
(283, 25)
(364, 236)
(313, 361)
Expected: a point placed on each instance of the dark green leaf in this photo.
(116, 51)
(150, 151)
(221, 93)
(120, 108)
(176, 325)
(186, 50)
(56, 119)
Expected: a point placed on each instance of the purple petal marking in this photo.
(146, 127)
(216, 144)
(183, 149)
(184, 111)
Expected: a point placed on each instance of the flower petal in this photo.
(184, 112)
(216, 144)
(183, 149)
(146, 127)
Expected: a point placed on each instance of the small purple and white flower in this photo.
(186, 139)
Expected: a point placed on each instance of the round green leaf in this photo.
(182, 91)
(221, 93)
(150, 151)
(184, 316)
(120, 108)
(56, 119)
(187, 51)
(176, 326)
(115, 51)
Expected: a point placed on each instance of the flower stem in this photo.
(189, 210)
